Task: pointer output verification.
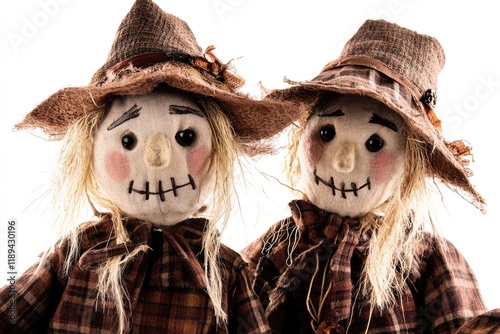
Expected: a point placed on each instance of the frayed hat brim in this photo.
(251, 119)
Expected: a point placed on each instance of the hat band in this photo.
(214, 66)
(145, 60)
(359, 60)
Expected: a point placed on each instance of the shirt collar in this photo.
(173, 249)
(318, 223)
(332, 240)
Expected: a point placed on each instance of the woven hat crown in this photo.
(147, 29)
(415, 57)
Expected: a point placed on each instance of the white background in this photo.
(50, 44)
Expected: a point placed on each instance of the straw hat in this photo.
(153, 47)
(399, 68)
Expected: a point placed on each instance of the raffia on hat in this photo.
(153, 47)
(399, 67)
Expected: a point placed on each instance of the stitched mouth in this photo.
(342, 186)
(160, 191)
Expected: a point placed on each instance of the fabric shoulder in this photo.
(231, 257)
(438, 252)
(437, 247)
(89, 233)
(94, 232)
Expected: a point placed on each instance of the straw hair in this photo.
(398, 232)
(222, 163)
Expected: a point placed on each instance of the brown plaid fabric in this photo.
(486, 323)
(166, 286)
(441, 293)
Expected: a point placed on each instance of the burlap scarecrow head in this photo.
(397, 68)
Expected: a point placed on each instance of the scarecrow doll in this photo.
(360, 252)
(150, 144)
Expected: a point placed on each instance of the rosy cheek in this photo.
(382, 167)
(197, 160)
(313, 149)
(117, 166)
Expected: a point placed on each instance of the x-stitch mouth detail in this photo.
(160, 191)
(331, 183)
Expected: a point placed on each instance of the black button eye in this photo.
(129, 141)
(327, 133)
(374, 143)
(185, 137)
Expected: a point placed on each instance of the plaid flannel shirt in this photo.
(166, 286)
(440, 296)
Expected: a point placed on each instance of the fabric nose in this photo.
(157, 153)
(344, 159)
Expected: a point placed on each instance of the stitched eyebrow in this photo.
(182, 110)
(127, 115)
(376, 119)
(336, 113)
